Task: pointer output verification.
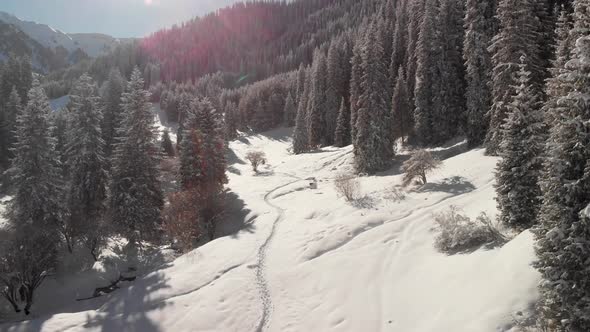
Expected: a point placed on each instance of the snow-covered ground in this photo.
(306, 260)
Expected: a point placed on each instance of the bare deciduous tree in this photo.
(421, 163)
(256, 158)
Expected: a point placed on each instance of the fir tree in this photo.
(373, 144)
(478, 63)
(111, 94)
(8, 116)
(316, 120)
(290, 111)
(136, 196)
(300, 83)
(342, 135)
(355, 85)
(518, 36)
(300, 140)
(401, 107)
(427, 76)
(86, 162)
(400, 46)
(230, 120)
(517, 173)
(167, 146)
(563, 237)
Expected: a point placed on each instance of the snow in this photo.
(306, 260)
(59, 103)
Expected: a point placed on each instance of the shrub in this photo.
(418, 166)
(256, 158)
(459, 233)
(347, 186)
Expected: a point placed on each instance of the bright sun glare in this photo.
(148, 2)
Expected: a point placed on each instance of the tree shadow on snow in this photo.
(128, 308)
(236, 218)
(456, 185)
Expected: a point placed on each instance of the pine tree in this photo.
(517, 173)
(300, 140)
(8, 116)
(374, 142)
(231, 121)
(300, 83)
(112, 113)
(136, 196)
(518, 36)
(34, 211)
(316, 117)
(290, 111)
(335, 86)
(401, 107)
(400, 45)
(355, 85)
(342, 135)
(167, 146)
(416, 10)
(427, 77)
(478, 63)
(563, 237)
(86, 162)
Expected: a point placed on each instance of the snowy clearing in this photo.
(306, 260)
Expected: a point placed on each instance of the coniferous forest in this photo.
(509, 76)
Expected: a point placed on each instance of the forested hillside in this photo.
(508, 76)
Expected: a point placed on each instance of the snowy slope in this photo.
(92, 44)
(308, 261)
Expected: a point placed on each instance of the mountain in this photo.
(14, 41)
(92, 45)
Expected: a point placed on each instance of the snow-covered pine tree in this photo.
(478, 63)
(34, 212)
(401, 108)
(342, 135)
(400, 42)
(300, 140)
(427, 76)
(111, 93)
(231, 121)
(136, 195)
(450, 103)
(335, 86)
(373, 144)
(8, 116)
(517, 173)
(518, 36)
(300, 83)
(563, 237)
(167, 146)
(416, 10)
(355, 84)
(316, 120)
(290, 111)
(88, 178)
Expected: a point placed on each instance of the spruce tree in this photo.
(518, 36)
(401, 107)
(167, 146)
(111, 94)
(300, 83)
(400, 39)
(517, 173)
(342, 135)
(478, 63)
(316, 117)
(355, 84)
(231, 121)
(136, 196)
(86, 162)
(373, 144)
(290, 111)
(427, 76)
(416, 10)
(300, 140)
(563, 237)
(8, 116)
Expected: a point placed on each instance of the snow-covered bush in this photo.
(459, 233)
(347, 186)
(256, 158)
(421, 163)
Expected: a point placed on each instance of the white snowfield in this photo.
(307, 261)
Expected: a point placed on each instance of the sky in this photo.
(118, 18)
